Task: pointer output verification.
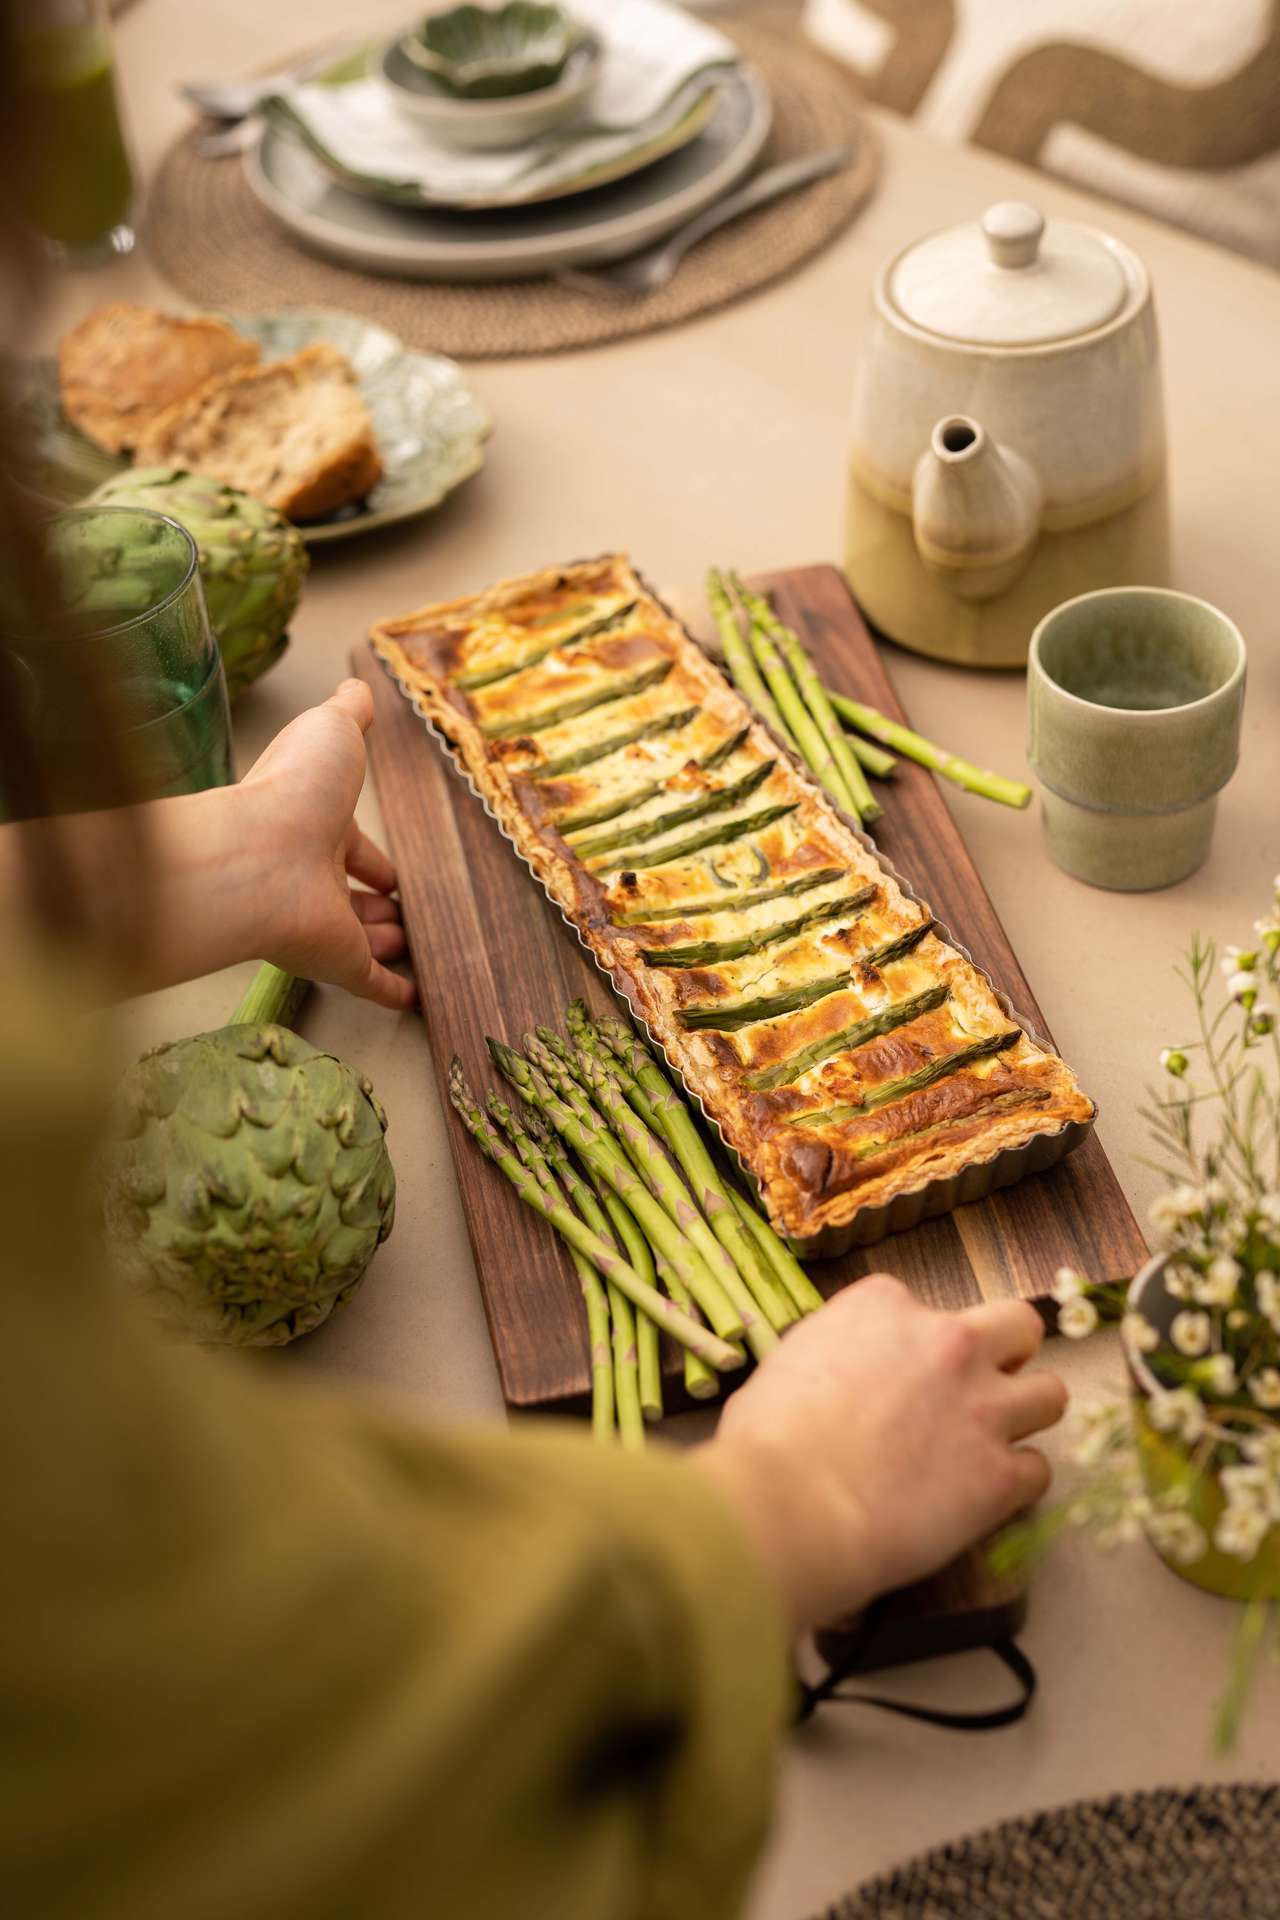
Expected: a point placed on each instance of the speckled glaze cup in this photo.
(1134, 697)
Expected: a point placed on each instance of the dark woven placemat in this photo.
(209, 236)
(1202, 1853)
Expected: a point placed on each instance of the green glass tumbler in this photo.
(79, 184)
(132, 630)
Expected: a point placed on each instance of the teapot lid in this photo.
(1009, 280)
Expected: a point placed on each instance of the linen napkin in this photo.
(657, 63)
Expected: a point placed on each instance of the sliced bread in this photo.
(123, 365)
(294, 433)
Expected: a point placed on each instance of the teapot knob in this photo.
(1013, 232)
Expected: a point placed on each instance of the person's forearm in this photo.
(196, 873)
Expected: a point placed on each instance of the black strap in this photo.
(1006, 1651)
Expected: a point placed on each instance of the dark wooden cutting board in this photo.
(492, 955)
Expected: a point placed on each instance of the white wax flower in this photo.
(1177, 1535)
(1264, 1385)
(1263, 1449)
(1177, 1281)
(1077, 1318)
(1139, 1333)
(1191, 1333)
(1217, 1285)
(1177, 1410)
(1240, 1532)
(1067, 1285)
(1219, 1374)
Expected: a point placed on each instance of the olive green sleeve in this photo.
(273, 1651)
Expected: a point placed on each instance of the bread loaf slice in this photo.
(294, 433)
(123, 365)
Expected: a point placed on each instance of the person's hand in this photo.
(880, 1440)
(299, 798)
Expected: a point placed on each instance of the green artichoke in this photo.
(247, 1184)
(252, 560)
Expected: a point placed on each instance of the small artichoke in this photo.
(252, 560)
(247, 1184)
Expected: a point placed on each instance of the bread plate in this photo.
(430, 427)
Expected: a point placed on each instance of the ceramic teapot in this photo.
(1008, 445)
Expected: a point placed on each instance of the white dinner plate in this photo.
(604, 224)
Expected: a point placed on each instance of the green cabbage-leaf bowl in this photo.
(492, 53)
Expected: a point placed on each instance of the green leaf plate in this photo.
(429, 425)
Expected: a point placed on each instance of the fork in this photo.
(645, 272)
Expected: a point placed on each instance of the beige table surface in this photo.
(746, 410)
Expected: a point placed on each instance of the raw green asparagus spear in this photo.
(586, 756)
(718, 800)
(700, 1383)
(730, 903)
(699, 1380)
(571, 820)
(584, 1033)
(622, 1321)
(534, 1157)
(779, 1256)
(715, 953)
(814, 696)
(540, 720)
(667, 1187)
(743, 670)
(626, 1367)
(577, 1123)
(675, 1124)
(718, 1353)
(913, 746)
(636, 1249)
(878, 763)
(814, 750)
(663, 1186)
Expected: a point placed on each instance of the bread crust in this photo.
(295, 433)
(977, 1083)
(123, 365)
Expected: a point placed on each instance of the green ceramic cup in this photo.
(1134, 697)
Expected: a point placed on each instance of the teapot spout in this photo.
(975, 509)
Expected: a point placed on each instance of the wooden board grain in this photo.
(492, 955)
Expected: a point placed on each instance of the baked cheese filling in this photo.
(845, 1050)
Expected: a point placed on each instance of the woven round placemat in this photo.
(1203, 1853)
(209, 236)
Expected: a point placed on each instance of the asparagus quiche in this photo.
(848, 1053)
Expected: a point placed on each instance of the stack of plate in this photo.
(646, 192)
